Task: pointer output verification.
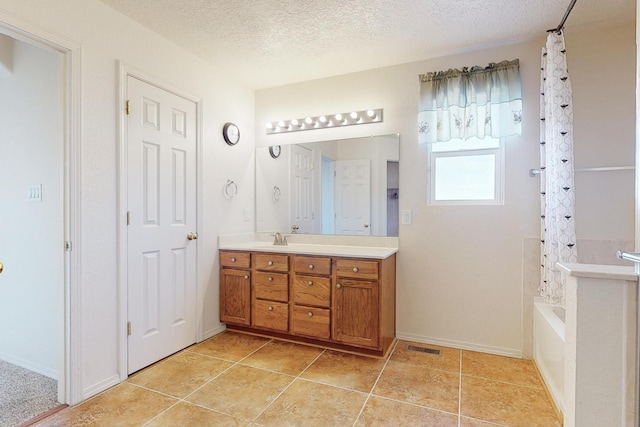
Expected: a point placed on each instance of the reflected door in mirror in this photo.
(352, 197)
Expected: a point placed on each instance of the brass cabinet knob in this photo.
(338, 286)
(310, 314)
(270, 279)
(270, 263)
(355, 269)
(310, 283)
(310, 266)
(246, 276)
(233, 259)
(270, 308)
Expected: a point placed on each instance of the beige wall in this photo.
(460, 268)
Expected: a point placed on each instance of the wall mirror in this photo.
(346, 187)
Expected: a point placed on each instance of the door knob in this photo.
(366, 226)
(1, 267)
(192, 236)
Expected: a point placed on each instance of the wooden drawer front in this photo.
(311, 322)
(312, 290)
(272, 262)
(272, 286)
(235, 259)
(271, 315)
(357, 269)
(312, 265)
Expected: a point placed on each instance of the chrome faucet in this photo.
(279, 239)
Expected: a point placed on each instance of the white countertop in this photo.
(373, 252)
(598, 271)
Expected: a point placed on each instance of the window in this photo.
(466, 172)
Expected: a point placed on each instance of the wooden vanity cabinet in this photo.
(337, 302)
(235, 288)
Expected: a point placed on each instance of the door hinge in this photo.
(128, 217)
(128, 328)
(68, 246)
(127, 107)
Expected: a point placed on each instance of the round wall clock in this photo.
(231, 133)
(275, 150)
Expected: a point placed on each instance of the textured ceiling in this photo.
(273, 42)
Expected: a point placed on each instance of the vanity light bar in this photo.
(322, 122)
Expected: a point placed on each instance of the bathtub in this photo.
(548, 347)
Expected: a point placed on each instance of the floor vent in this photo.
(424, 350)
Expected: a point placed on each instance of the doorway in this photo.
(35, 168)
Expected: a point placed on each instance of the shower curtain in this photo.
(558, 236)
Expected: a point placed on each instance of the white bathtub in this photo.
(548, 347)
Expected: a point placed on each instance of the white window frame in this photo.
(499, 183)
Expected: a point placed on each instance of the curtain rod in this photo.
(564, 18)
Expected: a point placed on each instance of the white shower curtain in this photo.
(558, 236)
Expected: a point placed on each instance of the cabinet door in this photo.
(355, 312)
(235, 296)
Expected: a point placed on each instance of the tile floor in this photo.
(234, 379)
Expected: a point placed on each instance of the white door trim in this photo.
(70, 379)
(124, 71)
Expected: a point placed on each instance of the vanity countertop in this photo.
(373, 252)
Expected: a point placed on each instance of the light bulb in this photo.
(269, 126)
(354, 116)
(308, 121)
(281, 124)
(295, 123)
(371, 114)
(338, 117)
(322, 119)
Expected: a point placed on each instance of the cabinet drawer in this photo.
(312, 290)
(271, 315)
(272, 286)
(357, 269)
(311, 322)
(271, 262)
(235, 259)
(312, 265)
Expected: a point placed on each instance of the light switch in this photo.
(34, 193)
(406, 217)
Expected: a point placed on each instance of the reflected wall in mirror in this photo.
(347, 187)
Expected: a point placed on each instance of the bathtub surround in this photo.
(601, 338)
(557, 194)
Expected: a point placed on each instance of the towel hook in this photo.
(230, 189)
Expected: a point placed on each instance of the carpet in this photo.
(24, 394)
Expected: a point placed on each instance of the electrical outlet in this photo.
(406, 217)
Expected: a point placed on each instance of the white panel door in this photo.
(353, 197)
(161, 197)
(302, 213)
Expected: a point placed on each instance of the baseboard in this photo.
(100, 387)
(31, 366)
(215, 331)
(461, 345)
